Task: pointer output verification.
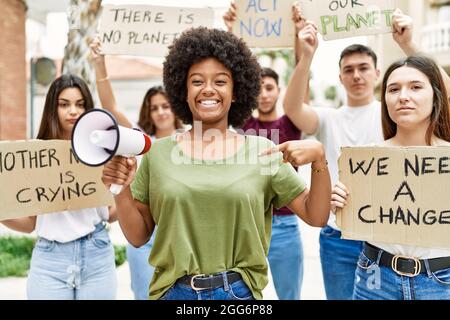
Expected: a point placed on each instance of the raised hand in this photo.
(230, 16)
(402, 28)
(97, 55)
(307, 39)
(297, 17)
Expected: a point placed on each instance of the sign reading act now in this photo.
(41, 176)
(397, 195)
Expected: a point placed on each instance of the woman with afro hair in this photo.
(211, 190)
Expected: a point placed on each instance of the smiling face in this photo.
(209, 91)
(358, 75)
(71, 106)
(161, 112)
(409, 97)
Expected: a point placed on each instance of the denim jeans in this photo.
(77, 270)
(141, 271)
(374, 282)
(286, 257)
(236, 291)
(339, 259)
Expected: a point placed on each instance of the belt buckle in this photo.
(192, 281)
(417, 266)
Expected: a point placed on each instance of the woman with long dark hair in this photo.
(73, 258)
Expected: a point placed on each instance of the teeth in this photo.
(209, 102)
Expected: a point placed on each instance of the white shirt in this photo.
(412, 251)
(347, 126)
(359, 126)
(67, 226)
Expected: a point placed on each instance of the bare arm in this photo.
(303, 116)
(134, 217)
(105, 91)
(403, 34)
(312, 206)
(112, 214)
(26, 224)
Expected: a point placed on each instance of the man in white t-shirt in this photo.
(357, 123)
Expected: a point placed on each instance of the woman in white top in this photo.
(415, 112)
(73, 258)
(158, 121)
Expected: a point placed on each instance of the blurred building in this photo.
(24, 34)
(12, 70)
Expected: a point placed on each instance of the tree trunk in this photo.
(83, 18)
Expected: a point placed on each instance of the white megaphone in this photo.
(96, 138)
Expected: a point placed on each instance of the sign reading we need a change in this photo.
(397, 195)
(349, 18)
(42, 176)
(265, 23)
(147, 30)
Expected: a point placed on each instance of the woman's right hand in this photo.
(307, 39)
(339, 196)
(119, 170)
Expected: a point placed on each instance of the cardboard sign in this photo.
(349, 18)
(265, 23)
(397, 195)
(41, 176)
(147, 30)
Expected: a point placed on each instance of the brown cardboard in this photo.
(41, 176)
(350, 18)
(389, 186)
(147, 30)
(265, 23)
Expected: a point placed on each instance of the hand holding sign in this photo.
(297, 17)
(307, 38)
(339, 196)
(97, 55)
(402, 28)
(230, 16)
(299, 152)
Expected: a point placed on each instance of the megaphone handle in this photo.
(115, 189)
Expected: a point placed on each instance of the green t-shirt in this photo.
(213, 216)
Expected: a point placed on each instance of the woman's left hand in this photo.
(97, 55)
(300, 152)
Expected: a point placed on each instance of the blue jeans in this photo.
(141, 271)
(236, 291)
(339, 258)
(77, 270)
(286, 257)
(374, 282)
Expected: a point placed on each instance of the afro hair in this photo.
(197, 44)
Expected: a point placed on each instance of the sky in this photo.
(50, 40)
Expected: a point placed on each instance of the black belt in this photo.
(201, 281)
(405, 266)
